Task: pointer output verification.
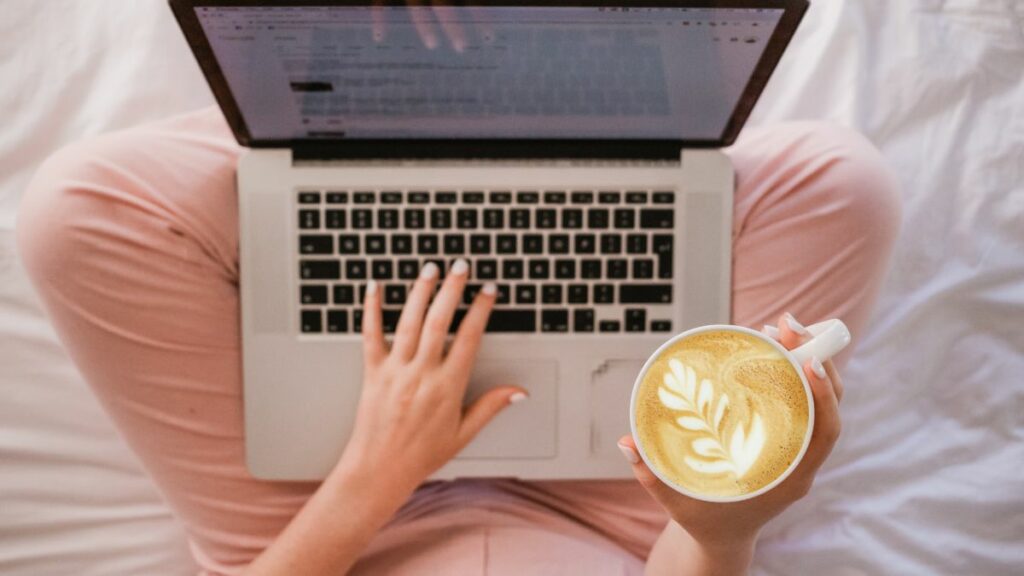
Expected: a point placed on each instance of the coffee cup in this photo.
(724, 413)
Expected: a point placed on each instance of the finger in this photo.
(661, 492)
(467, 339)
(407, 333)
(421, 20)
(485, 408)
(374, 348)
(447, 16)
(791, 332)
(439, 317)
(837, 382)
(378, 17)
(826, 417)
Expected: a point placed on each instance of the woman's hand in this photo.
(411, 419)
(731, 527)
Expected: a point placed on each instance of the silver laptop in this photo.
(568, 150)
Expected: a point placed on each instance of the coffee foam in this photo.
(721, 413)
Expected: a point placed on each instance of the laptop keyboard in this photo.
(563, 261)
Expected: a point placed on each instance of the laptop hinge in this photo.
(487, 150)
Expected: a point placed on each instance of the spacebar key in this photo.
(512, 321)
(645, 293)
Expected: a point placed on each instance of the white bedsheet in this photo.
(927, 477)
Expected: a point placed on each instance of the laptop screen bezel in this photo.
(185, 13)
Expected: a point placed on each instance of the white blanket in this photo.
(927, 476)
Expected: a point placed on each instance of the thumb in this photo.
(485, 408)
(658, 490)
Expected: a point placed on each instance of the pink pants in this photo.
(131, 239)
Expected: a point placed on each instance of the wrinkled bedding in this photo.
(927, 476)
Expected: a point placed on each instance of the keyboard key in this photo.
(554, 197)
(348, 244)
(313, 294)
(472, 197)
(583, 320)
(408, 269)
(445, 197)
(357, 321)
(504, 295)
(309, 197)
(487, 269)
(494, 219)
(663, 197)
(337, 197)
(546, 218)
(512, 321)
(394, 294)
(401, 244)
(572, 218)
(539, 269)
(415, 219)
(466, 218)
(527, 197)
(382, 269)
(636, 319)
(551, 294)
(312, 321)
(501, 197)
(355, 269)
(577, 294)
(558, 244)
(519, 219)
(526, 294)
(512, 269)
(590, 269)
(643, 268)
(427, 244)
(391, 197)
(387, 219)
(319, 244)
(363, 197)
(610, 326)
(454, 244)
(625, 218)
(604, 293)
(555, 320)
(337, 321)
(661, 326)
(585, 243)
(479, 244)
(597, 218)
(470, 292)
(440, 218)
(609, 197)
(419, 197)
(376, 244)
(440, 266)
(636, 244)
(362, 219)
(645, 293)
(319, 269)
(636, 197)
(565, 269)
(611, 244)
(334, 219)
(309, 219)
(617, 268)
(533, 244)
(507, 243)
(389, 320)
(582, 197)
(344, 294)
(662, 245)
(651, 218)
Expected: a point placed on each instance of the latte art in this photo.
(721, 413)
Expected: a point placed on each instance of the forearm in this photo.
(676, 553)
(335, 525)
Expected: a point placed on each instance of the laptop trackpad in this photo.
(523, 430)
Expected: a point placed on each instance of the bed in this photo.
(927, 478)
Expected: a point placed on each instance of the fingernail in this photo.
(817, 367)
(795, 326)
(771, 331)
(371, 287)
(517, 398)
(460, 267)
(490, 289)
(429, 271)
(630, 455)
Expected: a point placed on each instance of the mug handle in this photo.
(829, 337)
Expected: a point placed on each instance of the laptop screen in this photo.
(299, 73)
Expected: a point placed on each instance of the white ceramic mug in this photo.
(828, 338)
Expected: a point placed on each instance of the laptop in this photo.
(568, 150)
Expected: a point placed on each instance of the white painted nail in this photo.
(795, 326)
(771, 331)
(817, 367)
(429, 271)
(517, 398)
(460, 267)
(630, 455)
(371, 287)
(490, 289)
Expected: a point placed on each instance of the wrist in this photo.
(381, 493)
(731, 555)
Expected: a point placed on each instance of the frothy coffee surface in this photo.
(721, 413)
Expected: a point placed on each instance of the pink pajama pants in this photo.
(131, 239)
